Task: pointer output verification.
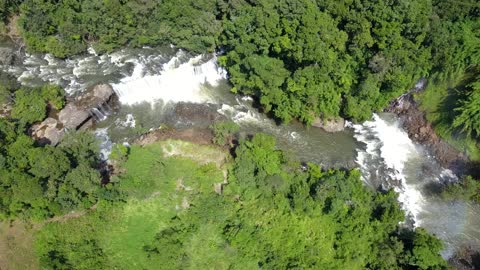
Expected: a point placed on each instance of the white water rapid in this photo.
(391, 160)
(177, 82)
(151, 83)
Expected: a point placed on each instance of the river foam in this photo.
(387, 143)
(175, 82)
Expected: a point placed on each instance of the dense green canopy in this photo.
(38, 182)
(302, 59)
(272, 214)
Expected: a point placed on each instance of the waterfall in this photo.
(390, 159)
(386, 157)
(388, 148)
(175, 82)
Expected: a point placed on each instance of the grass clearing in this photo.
(160, 180)
(16, 241)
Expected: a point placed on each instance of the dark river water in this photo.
(151, 84)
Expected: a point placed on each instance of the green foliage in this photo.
(275, 216)
(468, 118)
(8, 84)
(65, 28)
(466, 188)
(71, 247)
(301, 59)
(156, 186)
(424, 251)
(30, 104)
(29, 107)
(305, 60)
(39, 182)
(271, 215)
(224, 132)
(54, 95)
(8, 8)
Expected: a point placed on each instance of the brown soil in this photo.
(201, 136)
(13, 32)
(421, 131)
(16, 246)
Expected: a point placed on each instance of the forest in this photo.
(272, 214)
(301, 60)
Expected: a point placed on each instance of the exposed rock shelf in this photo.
(421, 131)
(80, 113)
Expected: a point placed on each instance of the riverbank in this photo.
(420, 130)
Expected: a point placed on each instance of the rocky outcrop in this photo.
(95, 98)
(7, 56)
(414, 121)
(81, 109)
(193, 113)
(201, 136)
(331, 125)
(49, 131)
(79, 114)
(73, 117)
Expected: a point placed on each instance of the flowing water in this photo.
(156, 86)
(391, 160)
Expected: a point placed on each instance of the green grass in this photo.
(160, 180)
(439, 101)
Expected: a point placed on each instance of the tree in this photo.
(224, 132)
(468, 117)
(29, 106)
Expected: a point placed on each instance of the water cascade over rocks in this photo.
(389, 159)
(178, 82)
(157, 87)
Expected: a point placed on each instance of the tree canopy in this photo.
(300, 59)
(272, 214)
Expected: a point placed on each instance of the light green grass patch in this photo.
(161, 179)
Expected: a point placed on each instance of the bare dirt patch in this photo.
(16, 246)
(201, 136)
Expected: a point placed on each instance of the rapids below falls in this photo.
(151, 83)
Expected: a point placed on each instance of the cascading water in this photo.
(391, 160)
(177, 82)
(150, 83)
(383, 162)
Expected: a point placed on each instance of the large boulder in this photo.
(331, 125)
(49, 131)
(7, 56)
(96, 97)
(78, 113)
(73, 117)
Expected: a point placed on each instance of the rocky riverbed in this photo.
(421, 131)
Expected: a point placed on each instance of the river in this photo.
(152, 83)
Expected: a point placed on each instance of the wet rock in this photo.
(415, 123)
(331, 125)
(7, 56)
(199, 114)
(466, 258)
(73, 117)
(48, 132)
(94, 98)
(78, 113)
